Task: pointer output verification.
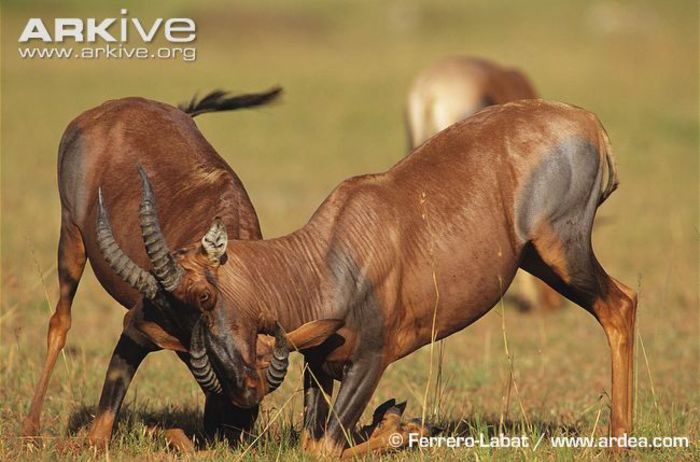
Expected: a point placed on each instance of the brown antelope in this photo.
(457, 87)
(102, 147)
(452, 90)
(411, 255)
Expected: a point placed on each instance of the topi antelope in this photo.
(392, 261)
(101, 147)
(452, 90)
(455, 88)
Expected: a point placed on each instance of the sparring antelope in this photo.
(392, 261)
(101, 147)
(452, 90)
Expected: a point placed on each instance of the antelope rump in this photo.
(453, 89)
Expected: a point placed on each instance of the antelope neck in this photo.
(294, 279)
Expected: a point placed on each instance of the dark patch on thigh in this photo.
(71, 174)
(559, 189)
(555, 210)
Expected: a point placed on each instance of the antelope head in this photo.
(184, 286)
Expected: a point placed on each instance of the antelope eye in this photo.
(204, 298)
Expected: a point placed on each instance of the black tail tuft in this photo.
(219, 100)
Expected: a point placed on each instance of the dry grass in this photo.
(346, 68)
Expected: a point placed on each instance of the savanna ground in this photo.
(346, 68)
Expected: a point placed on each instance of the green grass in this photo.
(346, 67)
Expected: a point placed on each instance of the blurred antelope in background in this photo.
(452, 90)
(455, 88)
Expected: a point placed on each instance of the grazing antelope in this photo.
(452, 90)
(392, 261)
(102, 147)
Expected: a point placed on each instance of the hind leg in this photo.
(574, 272)
(529, 293)
(71, 262)
(547, 299)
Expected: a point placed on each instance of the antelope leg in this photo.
(126, 359)
(356, 389)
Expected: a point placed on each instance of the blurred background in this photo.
(346, 68)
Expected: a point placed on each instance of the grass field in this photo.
(346, 67)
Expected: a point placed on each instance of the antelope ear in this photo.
(135, 323)
(161, 338)
(214, 241)
(313, 333)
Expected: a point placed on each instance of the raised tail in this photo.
(219, 100)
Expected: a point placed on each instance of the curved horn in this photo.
(277, 370)
(166, 270)
(120, 263)
(199, 361)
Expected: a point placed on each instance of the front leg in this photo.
(223, 419)
(356, 388)
(386, 427)
(318, 389)
(126, 358)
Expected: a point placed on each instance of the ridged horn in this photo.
(277, 370)
(167, 272)
(199, 361)
(120, 262)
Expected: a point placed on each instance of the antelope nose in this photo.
(247, 399)
(250, 383)
(251, 394)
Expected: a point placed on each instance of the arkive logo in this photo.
(111, 30)
(116, 38)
